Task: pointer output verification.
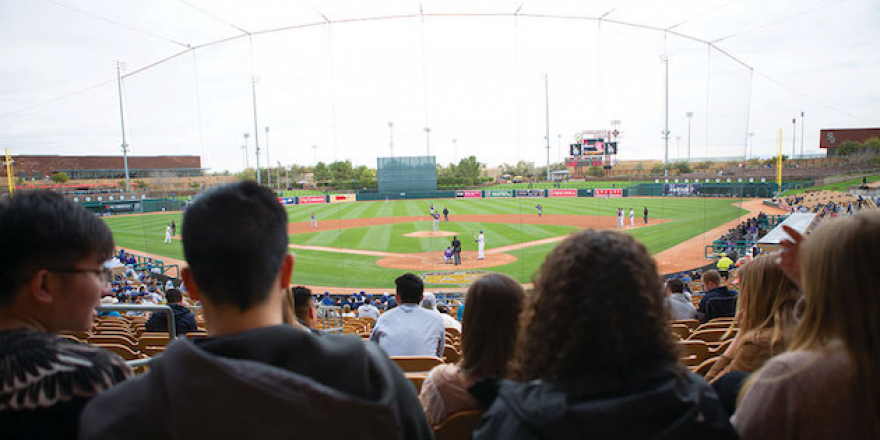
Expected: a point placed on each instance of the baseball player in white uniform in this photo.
(167, 234)
(481, 246)
(632, 218)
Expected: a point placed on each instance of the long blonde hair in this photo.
(766, 301)
(838, 265)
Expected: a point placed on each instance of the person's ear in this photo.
(42, 287)
(287, 270)
(191, 286)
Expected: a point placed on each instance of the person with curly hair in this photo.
(595, 355)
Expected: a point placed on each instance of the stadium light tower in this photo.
(689, 116)
(246, 164)
(454, 150)
(751, 145)
(120, 66)
(428, 139)
(268, 160)
(244, 157)
(391, 137)
(547, 114)
(793, 136)
(802, 134)
(665, 60)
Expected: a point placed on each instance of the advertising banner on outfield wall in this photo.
(125, 207)
(530, 193)
(497, 193)
(287, 200)
(469, 194)
(311, 200)
(608, 192)
(342, 198)
(562, 193)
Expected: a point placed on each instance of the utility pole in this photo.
(689, 116)
(246, 163)
(268, 159)
(391, 137)
(547, 113)
(119, 67)
(243, 157)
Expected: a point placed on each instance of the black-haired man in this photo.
(52, 276)
(254, 377)
(304, 309)
(410, 330)
(184, 320)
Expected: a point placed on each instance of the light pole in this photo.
(802, 134)
(243, 157)
(750, 146)
(689, 116)
(391, 137)
(665, 60)
(120, 66)
(454, 150)
(268, 159)
(547, 114)
(256, 130)
(793, 136)
(428, 139)
(246, 163)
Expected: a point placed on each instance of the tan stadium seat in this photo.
(123, 351)
(451, 355)
(710, 335)
(690, 323)
(695, 352)
(458, 426)
(680, 330)
(417, 364)
(705, 366)
(416, 379)
(112, 339)
(153, 339)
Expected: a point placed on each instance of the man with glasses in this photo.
(52, 276)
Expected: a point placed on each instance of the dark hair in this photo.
(410, 288)
(43, 230)
(675, 285)
(234, 240)
(173, 296)
(302, 301)
(711, 276)
(489, 328)
(597, 306)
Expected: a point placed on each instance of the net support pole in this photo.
(779, 165)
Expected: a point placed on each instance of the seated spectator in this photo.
(677, 302)
(724, 300)
(301, 309)
(254, 377)
(327, 301)
(409, 330)
(52, 276)
(765, 316)
(368, 310)
(487, 343)
(430, 302)
(347, 313)
(595, 356)
(184, 320)
(826, 385)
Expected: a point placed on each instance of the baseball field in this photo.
(368, 244)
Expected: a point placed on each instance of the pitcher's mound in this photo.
(428, 234)
(434, 261)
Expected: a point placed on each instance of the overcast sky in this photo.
(474, 78)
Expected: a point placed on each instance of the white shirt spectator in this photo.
(680, 307)
(409, 330)
(368, 311)
(169, 285)
(429, 301)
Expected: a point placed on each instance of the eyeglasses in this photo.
(104, 274)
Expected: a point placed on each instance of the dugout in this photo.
(406, 174)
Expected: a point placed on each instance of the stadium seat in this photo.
(451, 355)
(417, 364)
(705, 366)
(681, 330)
(417, 379)
(695, 352)
(690, 323)
(123, 351)
(710, 335)
(458, 426)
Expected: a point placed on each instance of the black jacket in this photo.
(656, 403)
(456, 245)
(184, 321)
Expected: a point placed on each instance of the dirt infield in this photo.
(579, 221)
(429, 234)
(434, 261)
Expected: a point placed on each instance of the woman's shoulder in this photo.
(444, 373)
(805, 363)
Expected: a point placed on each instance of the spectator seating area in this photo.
(739, 241)
(813, 201)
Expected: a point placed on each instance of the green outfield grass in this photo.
(689, 217)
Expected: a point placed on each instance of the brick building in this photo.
(104, 167)
(831, 138)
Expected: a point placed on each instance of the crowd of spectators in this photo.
(741, 240)
(587, 350)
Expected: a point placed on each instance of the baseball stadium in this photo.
(440, 220)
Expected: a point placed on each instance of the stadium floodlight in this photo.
(246, 163)
(120, 66)
(454, 150)
(689, 116)
(428, 139)
(391, 137)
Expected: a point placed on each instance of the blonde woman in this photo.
(828, 385)
(766, 317)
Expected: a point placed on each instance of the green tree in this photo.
(682, 167)
(321, 173)
(60, 177)
(596, 171)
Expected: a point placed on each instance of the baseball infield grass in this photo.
(688, 218)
